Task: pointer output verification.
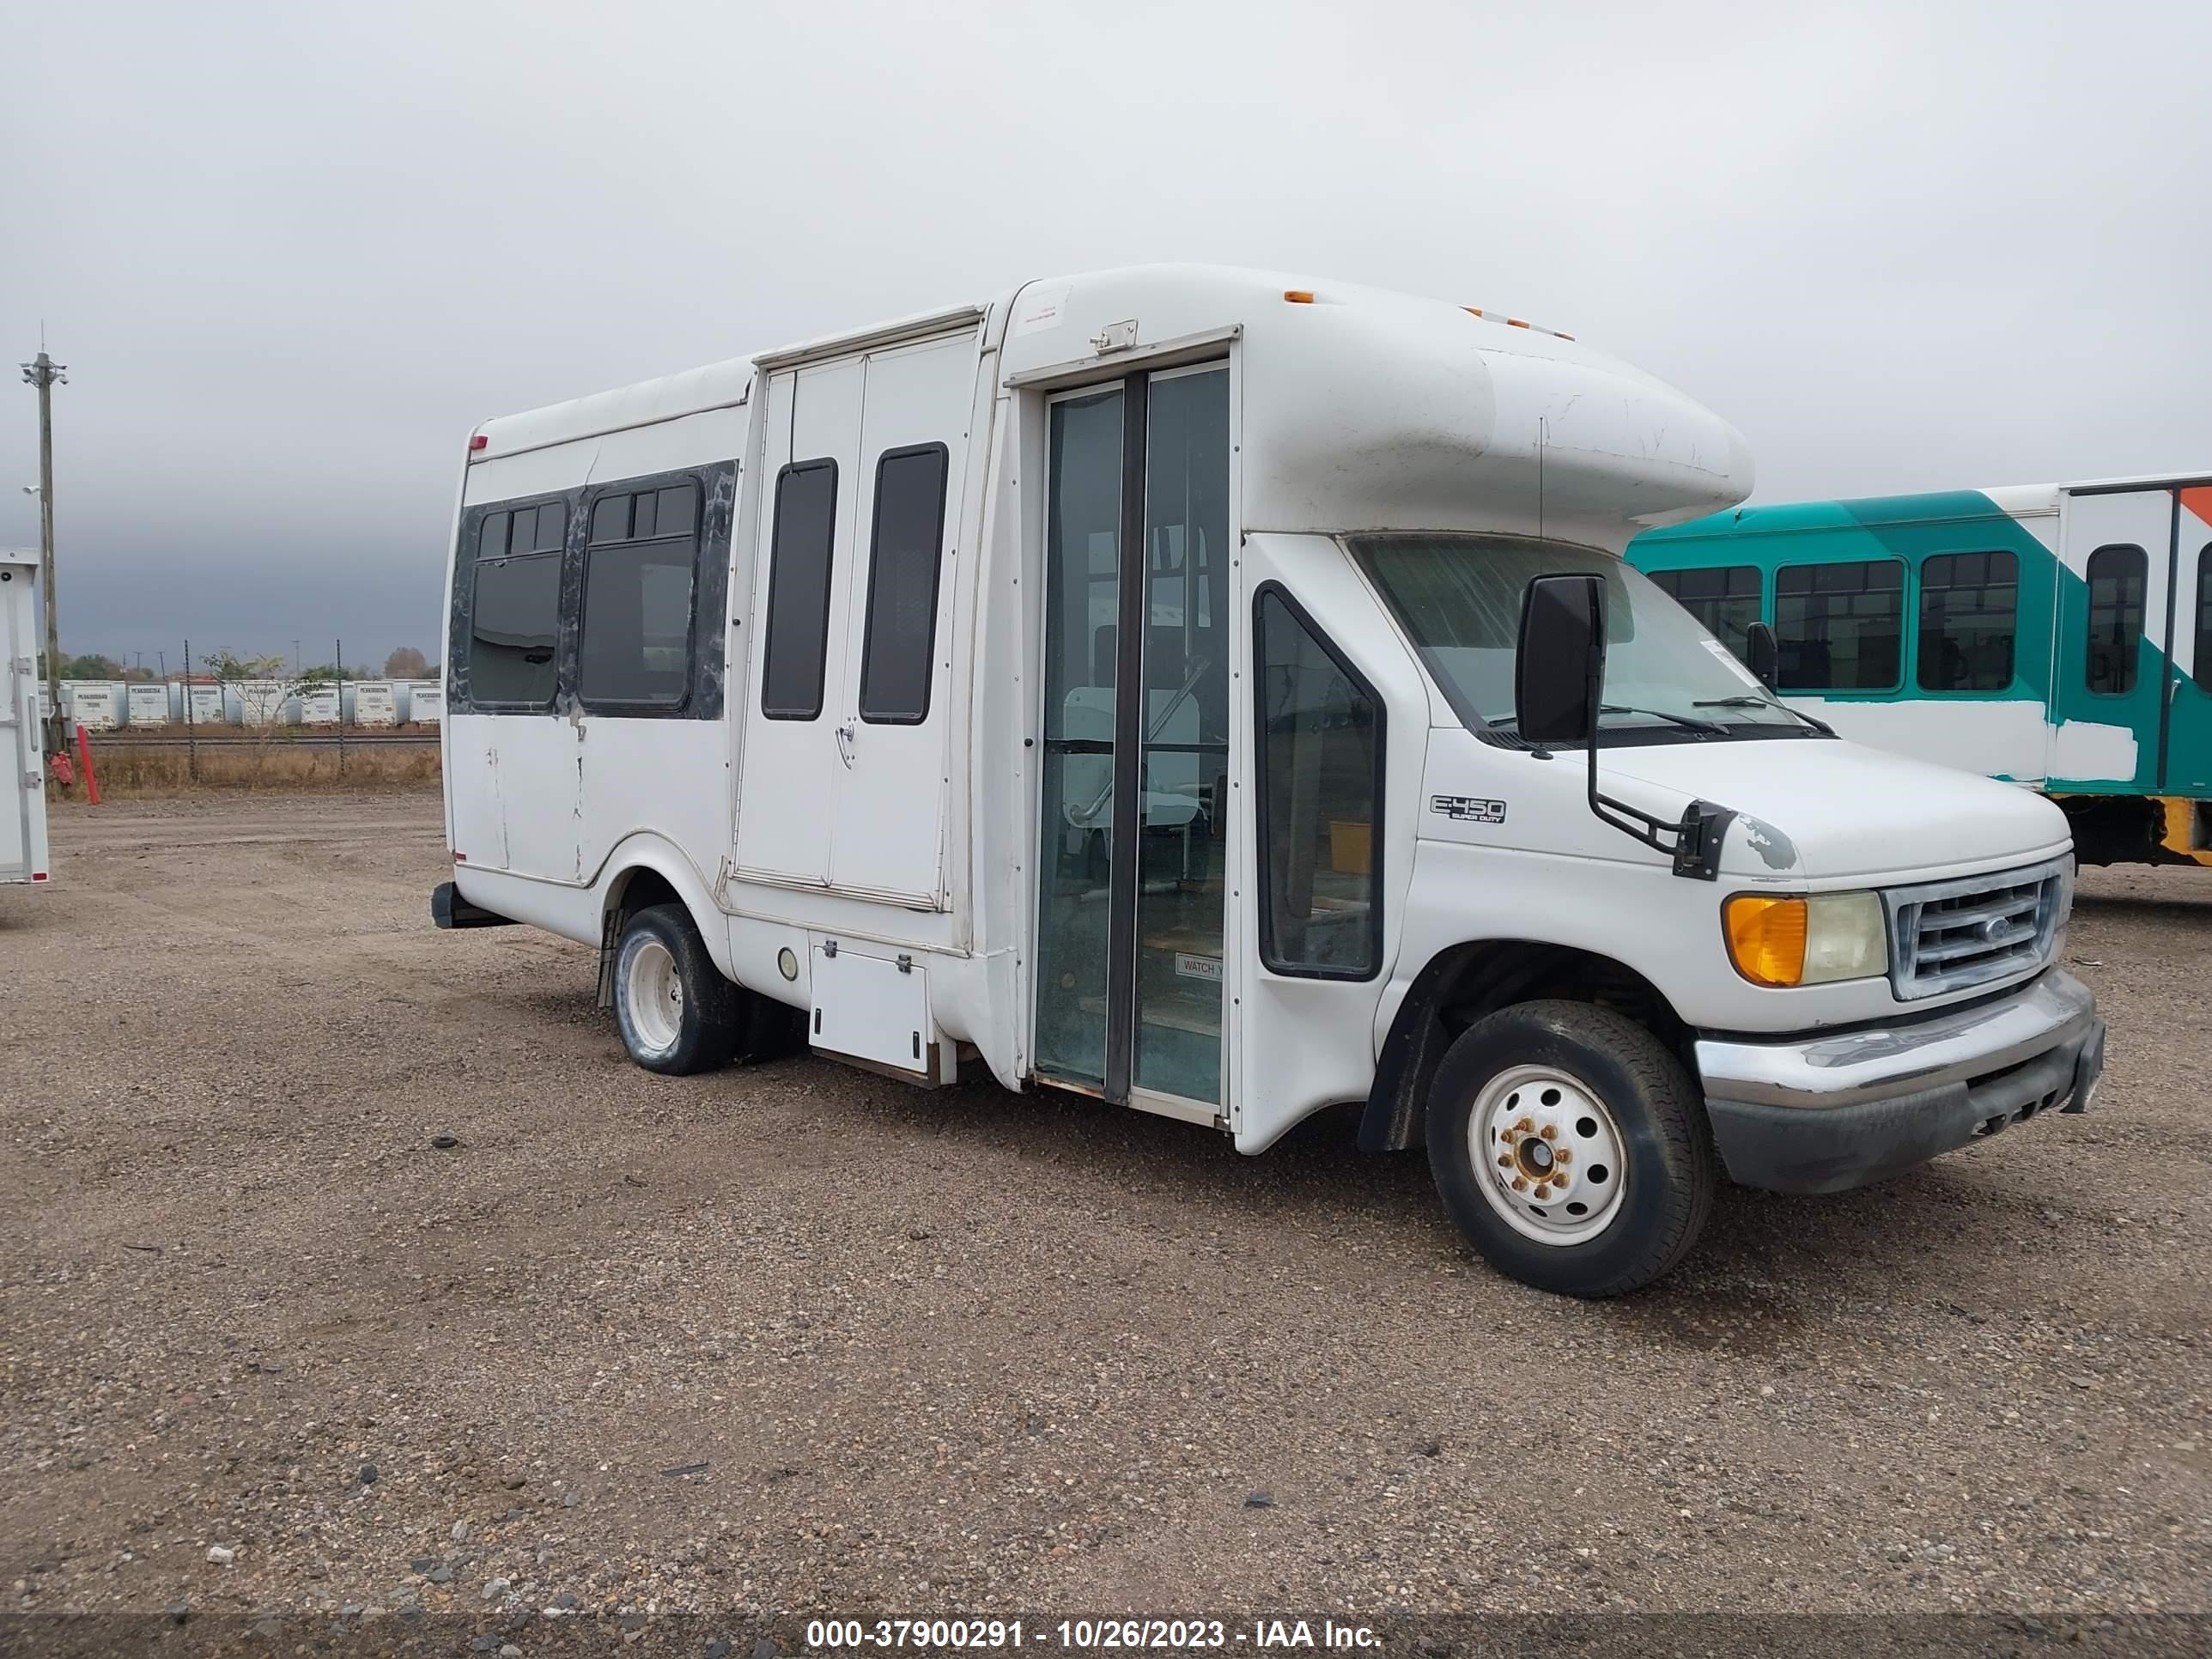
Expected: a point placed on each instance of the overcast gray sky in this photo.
(292, 254)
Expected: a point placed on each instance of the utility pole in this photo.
(42, 372)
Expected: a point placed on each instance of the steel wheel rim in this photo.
(652, 993)
(1550, 1133)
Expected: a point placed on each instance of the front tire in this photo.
(1570, 1148)
(678, 1014)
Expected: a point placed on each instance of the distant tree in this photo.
(277, 685)
(406, 664)
(91, 667)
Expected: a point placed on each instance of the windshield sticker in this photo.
(1468, 809)
(1735, 667)
(1770, 844)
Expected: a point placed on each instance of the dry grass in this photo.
(128, 770)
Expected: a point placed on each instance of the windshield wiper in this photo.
(1689, 721)
(1821, 727)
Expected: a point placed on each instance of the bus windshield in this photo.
(1458, 597)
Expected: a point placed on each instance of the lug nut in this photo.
(1543, 1192)
(1505, 1160)
(1551, 1131)
(1564, 1154)
(1520, 1185)
(1526, 1125)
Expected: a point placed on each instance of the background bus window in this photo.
(2202, 662)
(2117, 577)
(1725, 599)
(1839, 627)
(1969, 612)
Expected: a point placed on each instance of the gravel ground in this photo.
(800, 1338)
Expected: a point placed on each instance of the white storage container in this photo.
(147, 705)
(373, 704)
(91, 704)
(262, 703)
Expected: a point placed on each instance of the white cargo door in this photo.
(802, 575)
(22, 792)
(889, 838)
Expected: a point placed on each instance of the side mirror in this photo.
(1758, 640)
(1559, 663)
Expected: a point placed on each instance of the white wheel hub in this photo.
(653, 994)
(1547, 1154)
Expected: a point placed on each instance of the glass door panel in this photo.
(1183, 847)
(1075, 835)
(1131, 833)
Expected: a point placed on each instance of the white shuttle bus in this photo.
(1222, 693)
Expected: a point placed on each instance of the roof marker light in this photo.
(478, 442)
(1299, 296)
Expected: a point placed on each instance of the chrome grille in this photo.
(1948, 935)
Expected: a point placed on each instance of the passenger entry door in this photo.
(2189, 722)
(1134, 806)
(2111, 664)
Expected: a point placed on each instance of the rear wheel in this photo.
(1570, 1148)
(679, 1015)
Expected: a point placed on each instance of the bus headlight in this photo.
(1807, 941)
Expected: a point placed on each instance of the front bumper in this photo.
(1825, 1114)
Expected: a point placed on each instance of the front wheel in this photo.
(1570, 1148)
(678, 1014)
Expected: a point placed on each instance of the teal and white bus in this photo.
(2056, 636)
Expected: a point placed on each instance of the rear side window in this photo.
(636, 648)
(2118, 577)
(514, 613)
(902, 563)
(1724, 597)
(1969, 612)
(1321, 801)
(799, 590)
(1839, 627)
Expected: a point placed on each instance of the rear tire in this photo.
(679, 1015)
(1601, 1129)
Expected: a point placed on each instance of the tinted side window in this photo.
(636, 638)
(1320, 802)
(514, 611)
(1839, 627)
(1725, 599)
(1969, 609)
(798, 591)
(2118, 577)
(896, 656)
(515, 625)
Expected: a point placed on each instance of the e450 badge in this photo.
(1468, 809)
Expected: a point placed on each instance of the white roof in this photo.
(1362, 409)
